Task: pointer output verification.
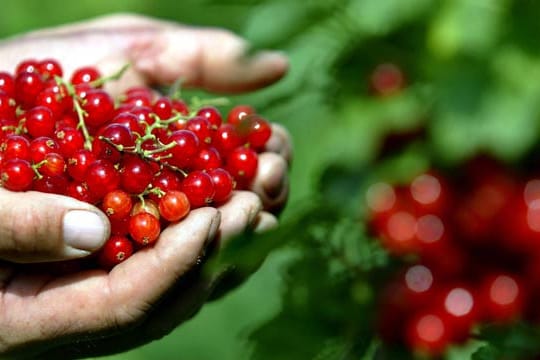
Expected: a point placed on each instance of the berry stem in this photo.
(36, 167)
(175, 91)
(79, 110)
(81, 124)
(116, 76)
(197, 103)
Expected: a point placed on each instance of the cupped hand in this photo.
(94, 312)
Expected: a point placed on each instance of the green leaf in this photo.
(487, 352)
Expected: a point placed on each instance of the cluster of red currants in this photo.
(145, 159)
(470, 245)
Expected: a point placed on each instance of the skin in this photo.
(94, 312)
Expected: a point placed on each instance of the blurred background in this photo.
(377, 89)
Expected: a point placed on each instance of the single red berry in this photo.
(200, 127)
(69, 140)
(502, 297)
(40, 121)
(135, 174)
(399, 233)
(163, 108)
(115, 250)
(199, 188)
(242, 165)
(428, 332)
(119, 135)
(101, 178)
(85, 75)
(430, 193)
(226, 138)
(223, 184)
(117, 204)
(211, 114)
(49, 68)
(99, 107)
(238, 112)
(27, 87)
(255, 130)
(77, 164)
(208, 158)
(17, 175)
(174, 205)
(144, 228)
(185, 149)
(53, 165)
(460, 308)
(387, 79)
(16, 147)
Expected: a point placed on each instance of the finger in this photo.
(280, 142)
(271, 182)
(178, 250)
(238, 214)
(264, 222)
(45, 227)
(208, 58)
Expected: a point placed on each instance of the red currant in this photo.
(199, 188)
(174, 205)
(144, 228)
(116, 250)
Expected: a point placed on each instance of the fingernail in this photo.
(214, 227)
(273, 189)
(275, 58)
(84, 230)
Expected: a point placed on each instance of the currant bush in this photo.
(471, 244)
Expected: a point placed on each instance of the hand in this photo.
(93, 312)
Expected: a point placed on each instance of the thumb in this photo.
(39, 227)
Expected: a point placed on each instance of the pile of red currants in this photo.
(469, 245)
(144, 159)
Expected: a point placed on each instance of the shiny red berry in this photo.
(116, 250)
(17, 175)
(199, 188)
(144, 228)
(174, 205)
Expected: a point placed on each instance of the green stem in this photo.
(36, 167)
(116, 76)
(79, 110)
(81, 125)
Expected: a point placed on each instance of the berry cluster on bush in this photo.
(145, 159)
(470, 245)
